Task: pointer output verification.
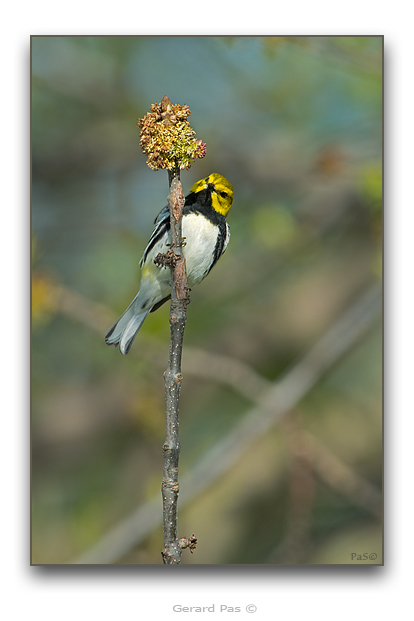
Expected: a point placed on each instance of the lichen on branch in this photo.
(167, 137)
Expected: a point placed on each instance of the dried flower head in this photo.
(167, 137)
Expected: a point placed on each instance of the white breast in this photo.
(200, 241)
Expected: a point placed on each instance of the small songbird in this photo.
(206, 235)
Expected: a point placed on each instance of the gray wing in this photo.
(162, 227)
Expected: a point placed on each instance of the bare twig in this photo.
(171, 552)
(272, 404)
(169, 142)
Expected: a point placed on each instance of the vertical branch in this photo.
(171, 552)
(169, 142)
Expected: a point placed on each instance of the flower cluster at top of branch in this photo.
(167, 137)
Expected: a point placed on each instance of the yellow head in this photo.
(221, 192)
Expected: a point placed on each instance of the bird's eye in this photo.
(206, 179)
(223, 194)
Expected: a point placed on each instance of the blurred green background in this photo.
(295, 123)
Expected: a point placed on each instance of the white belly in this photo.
(200, 241)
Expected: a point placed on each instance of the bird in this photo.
(206, 235)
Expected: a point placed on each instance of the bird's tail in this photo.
(124, 331)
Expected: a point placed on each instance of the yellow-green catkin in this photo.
(167, 137)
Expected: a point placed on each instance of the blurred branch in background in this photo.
(301, 494)
(311, 458)
(273, 401)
